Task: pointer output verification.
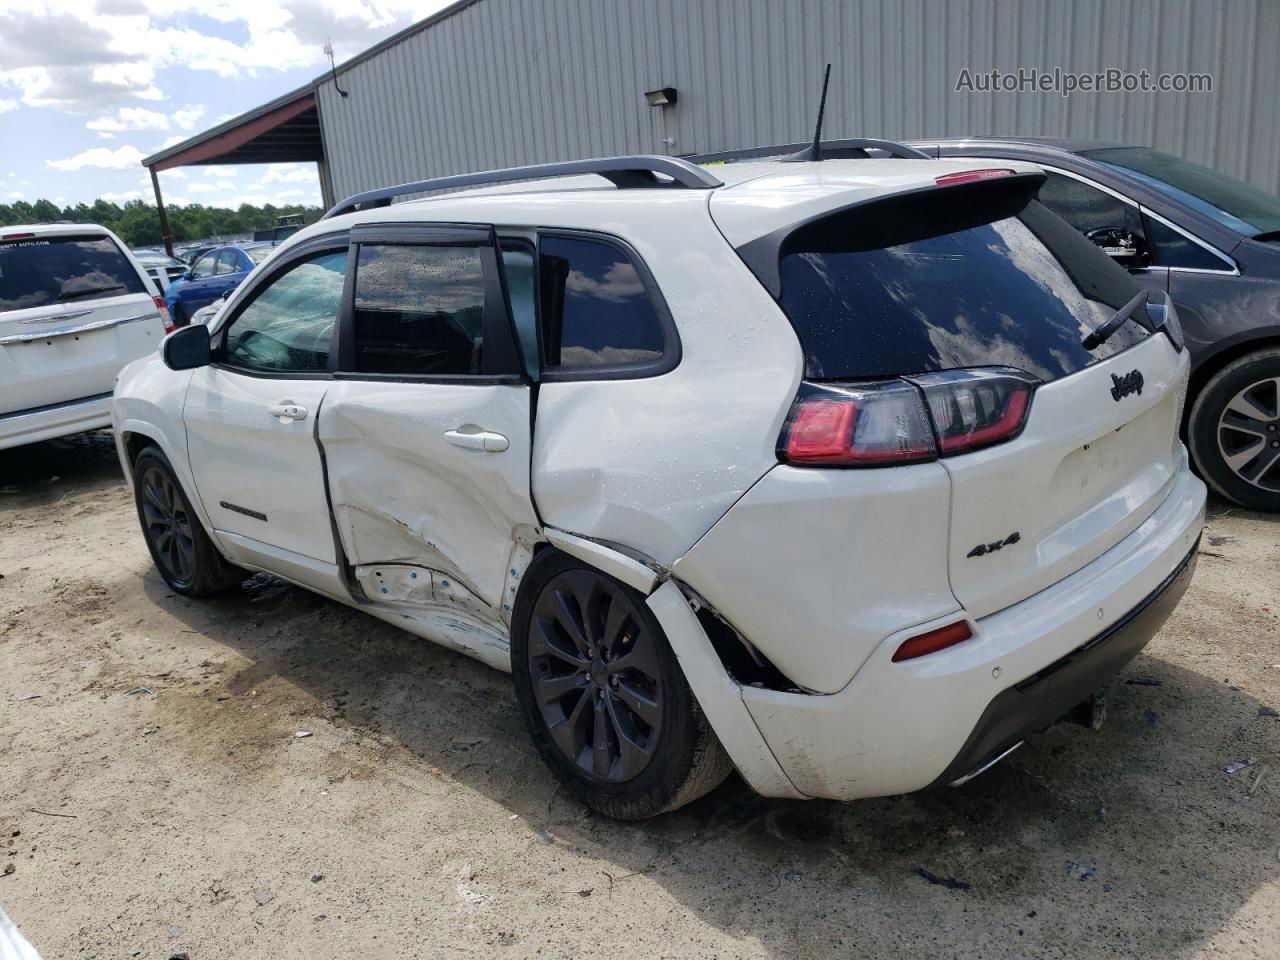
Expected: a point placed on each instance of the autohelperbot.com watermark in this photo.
(1067, 82)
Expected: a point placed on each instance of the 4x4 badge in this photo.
(982, 549)
(1131, 382)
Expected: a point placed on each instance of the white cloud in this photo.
(187, 117)
(130, 118)
(211, 187)
(288, 173)
(180, 174)
(170, 141)
(7, 105)
(59, 53)
(112, 197)
(216, 171)
(15, 195)
(122, 158)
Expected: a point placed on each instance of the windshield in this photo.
(975, 276)
(258, 254)
(40, 271)
(1230, 202)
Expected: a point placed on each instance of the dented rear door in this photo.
(426, 428)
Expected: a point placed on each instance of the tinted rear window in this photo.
(977, 275)
(50, 270)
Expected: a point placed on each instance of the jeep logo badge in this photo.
(1131, 382)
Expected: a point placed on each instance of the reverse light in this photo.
(971, 409)
(933, 641)
(967, 176)
(165, 316)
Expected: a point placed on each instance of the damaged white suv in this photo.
(847, 474)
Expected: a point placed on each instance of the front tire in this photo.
(183, 553)
(603, 696)
(1234, 430)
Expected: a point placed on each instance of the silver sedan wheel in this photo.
(1249, 434)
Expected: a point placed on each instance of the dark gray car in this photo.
(1211, 242)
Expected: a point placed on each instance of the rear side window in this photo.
(978, 275)
(419, 310)
(40, 271)
(596, 308)
(1173, 249)
(288, 326)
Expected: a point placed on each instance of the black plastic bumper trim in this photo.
(1044, 697)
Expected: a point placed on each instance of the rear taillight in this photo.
(967, 176)
(905, 421)
(169, 325)
(971, 409)
(933, 641)
(859, 425)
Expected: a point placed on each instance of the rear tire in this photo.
(1234, 430)
(183, 553)
(603, 696)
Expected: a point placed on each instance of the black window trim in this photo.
(672, 351)
(329, 243)
(501, 356)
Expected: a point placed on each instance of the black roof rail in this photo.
(628, 171)
(831, 150)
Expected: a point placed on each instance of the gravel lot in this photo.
(155, 798)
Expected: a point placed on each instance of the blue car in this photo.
(213, 275)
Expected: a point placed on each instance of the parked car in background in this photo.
(75, 306)
(851, 474)
(1213, 243)
(213, 275)
(160, 267)
(193, 252)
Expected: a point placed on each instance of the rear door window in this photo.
(228, 262)
(40, 271)
(978, 275)
(419, 310)
(598, 313)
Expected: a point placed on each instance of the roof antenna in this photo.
(814, 150)
(328, 49)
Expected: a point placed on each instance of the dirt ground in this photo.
(155, 798)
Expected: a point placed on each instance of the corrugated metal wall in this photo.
(505, 82)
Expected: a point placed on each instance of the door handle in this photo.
(287, 411)
(481, 440)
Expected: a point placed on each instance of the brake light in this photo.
(933, 641)
(910, 420)
(967, 176)
(862, 425)
(169, 325)
(17, 236)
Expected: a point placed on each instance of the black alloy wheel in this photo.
(595, 676)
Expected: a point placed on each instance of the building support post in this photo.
(165, 234)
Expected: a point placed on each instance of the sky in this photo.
(90, 87)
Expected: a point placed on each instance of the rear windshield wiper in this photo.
(72, 294)
(1103, 333)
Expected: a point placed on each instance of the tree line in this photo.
(138, 223)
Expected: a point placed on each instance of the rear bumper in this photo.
(1044, 697)
(899, 727)
(56, 420)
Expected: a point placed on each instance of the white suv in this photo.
(848, 474)
(75, 307)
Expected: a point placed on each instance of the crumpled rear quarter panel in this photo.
(652, 463)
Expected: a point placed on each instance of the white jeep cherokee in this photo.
(848, 474)
(75, 307)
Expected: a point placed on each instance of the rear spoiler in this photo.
(763, 254)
